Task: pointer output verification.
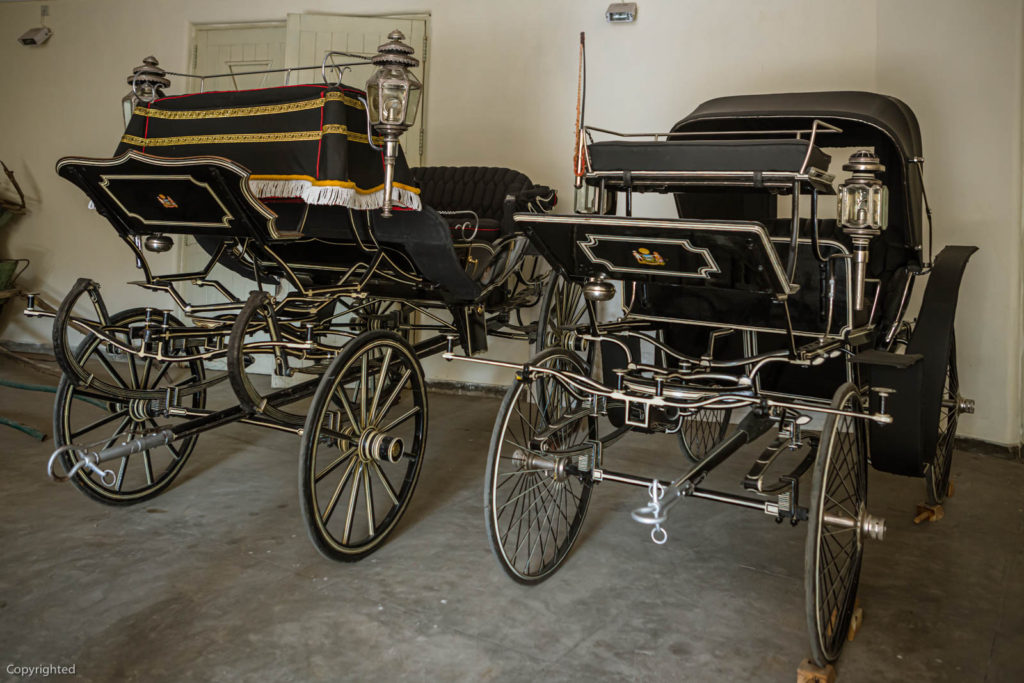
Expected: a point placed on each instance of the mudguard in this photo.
(908, 445)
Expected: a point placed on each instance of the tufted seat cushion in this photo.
(492, 193)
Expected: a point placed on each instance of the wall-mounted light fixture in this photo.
(40, 34)
(621, 13)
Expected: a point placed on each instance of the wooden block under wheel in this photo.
(949, 489)
(856, 620)
(928, 513)
(809, 672)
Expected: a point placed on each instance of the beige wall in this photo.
(501, 90)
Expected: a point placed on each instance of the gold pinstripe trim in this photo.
(255, 110)
(242, 138)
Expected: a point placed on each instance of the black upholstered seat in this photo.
(491, 193)
(705, 155)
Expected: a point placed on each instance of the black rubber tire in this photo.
(392, 352)
(257, 313)
(572, 492)
(67, 427)
(833, 553)
(936, 474)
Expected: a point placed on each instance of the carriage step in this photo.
(899, 361)
(809, 672)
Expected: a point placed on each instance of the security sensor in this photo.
(36, 36)
(621, 12)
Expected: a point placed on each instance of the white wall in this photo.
(501, 90)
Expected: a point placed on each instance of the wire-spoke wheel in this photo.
(563, 314)
(834, 548)
(362, 445)
(936, 474)
(535, 496)
(82, 417)
(701, 431)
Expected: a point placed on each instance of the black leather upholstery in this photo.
(705, 155)
(491, 193)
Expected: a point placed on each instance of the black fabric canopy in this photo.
(867, 119)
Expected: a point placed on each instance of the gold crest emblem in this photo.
(166, 201)
(646, 257)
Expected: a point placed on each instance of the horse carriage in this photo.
(359, 268)
(757, 303)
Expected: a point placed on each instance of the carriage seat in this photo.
(750, 156)
(492, 193)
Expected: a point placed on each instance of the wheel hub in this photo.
(558, 465)
(376, 445)
(139, 409)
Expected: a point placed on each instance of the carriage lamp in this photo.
(147, 82)
(863, 213)
(392, 98)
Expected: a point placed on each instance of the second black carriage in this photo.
(757, 303)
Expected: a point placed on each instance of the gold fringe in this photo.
(255, 110)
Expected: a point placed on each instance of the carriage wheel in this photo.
(256, 323)
(535, 502)
(701, 431)
(84, 419)
(563, 310)
(834, 538)
(936, 475)
(362, 445)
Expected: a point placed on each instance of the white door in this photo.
(311, 36)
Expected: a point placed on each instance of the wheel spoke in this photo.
(97, 424)
(329, 510)
(400, 419)
(394, 395)
(388, 488)
(334, 465)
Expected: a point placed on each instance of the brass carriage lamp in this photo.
(392, 98)
(863, 212)
(147, 83)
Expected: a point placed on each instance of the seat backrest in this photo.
(481, 189)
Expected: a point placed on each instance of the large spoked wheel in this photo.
(362, 446)
(564, 312)
(936, 475)
(701, 431)
(837, 518)
(535, 496)
(82, 418)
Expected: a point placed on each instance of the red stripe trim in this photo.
(320, 144)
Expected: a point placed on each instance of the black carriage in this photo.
(756, 302)
(359, 268)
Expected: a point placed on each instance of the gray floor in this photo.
(216, 580)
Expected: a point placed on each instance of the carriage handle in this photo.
(86, 461)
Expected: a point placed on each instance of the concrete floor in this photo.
(216, 580)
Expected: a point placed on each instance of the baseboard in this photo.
(447, 386)
(997, 450)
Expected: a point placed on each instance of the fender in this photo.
(908, 445)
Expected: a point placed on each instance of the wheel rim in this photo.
(564, 310)
(535, 502)
(85, 419)
(839, 490)
(363, 446)
(701, 431)
(937, 474)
